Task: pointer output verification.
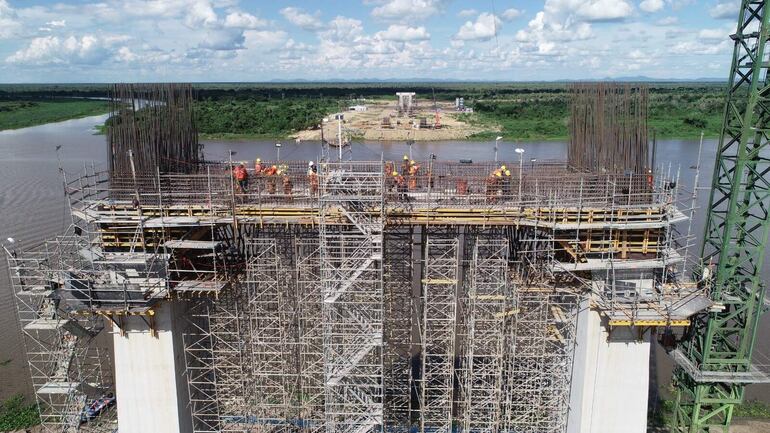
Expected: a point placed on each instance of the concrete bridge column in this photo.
(150, 386)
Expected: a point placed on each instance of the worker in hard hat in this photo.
(414, 169)
(493, 185)
(270, 174)
(258, 166)
(405, 165)
(312, 175)
(241, 177)
(400, 185)
(506, 183)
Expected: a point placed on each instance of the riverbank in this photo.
(23, 114)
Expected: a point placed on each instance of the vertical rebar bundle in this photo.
(157, 123)
(608, 127)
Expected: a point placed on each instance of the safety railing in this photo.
(434, 184)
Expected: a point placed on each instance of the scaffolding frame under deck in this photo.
(356, 304)
(438, 339)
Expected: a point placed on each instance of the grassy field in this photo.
(24, 113)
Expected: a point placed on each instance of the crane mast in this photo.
(714, 361)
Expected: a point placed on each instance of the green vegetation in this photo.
(663, 417)
(517, 111)
(674, 112)
(24, 113)
(16, 414)
(236, 118)
(753, 409)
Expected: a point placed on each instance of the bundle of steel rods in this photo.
(157, 123)
(608, 127)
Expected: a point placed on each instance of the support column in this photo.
(610, 378)
(150, 388)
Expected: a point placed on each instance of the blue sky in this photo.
(240, 40)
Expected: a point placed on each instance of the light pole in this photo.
(520, 151)
(497, 146)
(410, 143)
(278, 152)
(339, 134)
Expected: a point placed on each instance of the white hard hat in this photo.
(310, 163)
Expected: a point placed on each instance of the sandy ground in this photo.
(368, 124)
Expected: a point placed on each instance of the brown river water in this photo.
(33, 207)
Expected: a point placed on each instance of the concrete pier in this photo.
(609, 380)
(150, 387)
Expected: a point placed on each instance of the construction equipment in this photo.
(714, 363)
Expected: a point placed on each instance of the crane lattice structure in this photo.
(715, 363)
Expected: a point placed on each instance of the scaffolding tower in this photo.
(351, 277)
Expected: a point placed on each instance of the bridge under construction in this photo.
(361, 297)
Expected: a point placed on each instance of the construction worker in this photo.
(414, 168)
(405, 165)
(258, 166)
(493, 185)
(312, 175)
(270, 174)
(400, 185)
(241, 177)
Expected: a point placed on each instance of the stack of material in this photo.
(157, 123)
(608, 128)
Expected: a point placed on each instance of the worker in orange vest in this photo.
(493, 185)
(405, 165)
(400, 185)
(258, 166)
(241, 177)
(414, 168)
(270, 174)
(462, 186)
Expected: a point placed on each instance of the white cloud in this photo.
(56, 23)
(668, 21)
(467, 13)
(343, 29)
(302, 19)
(484, 28)
(9, 25)
(511, 14)
(596, 10)
(243, 20)
(223, 39)
(651, 5)
(712, 34)
(265, 40)
(725, 9)
(408, 9)
(402, 33)
(87, 49)
(701, 48)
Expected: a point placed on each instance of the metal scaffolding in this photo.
(489, 304)
(365, 305)
(438, 334)
(351, 277)
(68, 368)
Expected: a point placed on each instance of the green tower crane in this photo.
(714, 362)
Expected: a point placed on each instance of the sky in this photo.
(242, 40)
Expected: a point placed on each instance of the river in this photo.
(32, 204)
